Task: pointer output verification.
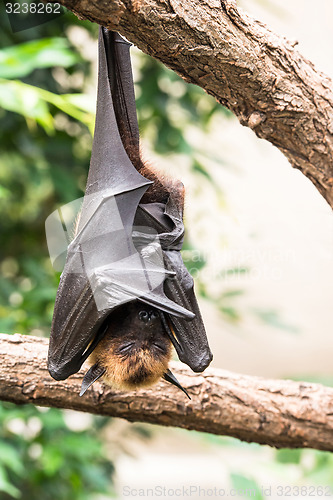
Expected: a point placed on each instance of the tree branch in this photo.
(279, 413)
(255, 73)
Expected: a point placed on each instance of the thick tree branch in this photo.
(238, 60)
(280, 413)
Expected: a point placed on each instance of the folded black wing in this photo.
(188, 337)
(122, 89)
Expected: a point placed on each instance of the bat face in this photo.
(135, 351)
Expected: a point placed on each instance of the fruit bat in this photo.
(125, 297)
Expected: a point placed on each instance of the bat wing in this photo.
(103, 268)
(122, 88)
(189, 339)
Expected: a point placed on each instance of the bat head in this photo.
(135, 351)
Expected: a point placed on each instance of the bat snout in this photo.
(149, 316)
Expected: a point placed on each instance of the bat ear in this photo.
(93, 374)
(169, 377)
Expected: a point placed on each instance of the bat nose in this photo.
(148, 316)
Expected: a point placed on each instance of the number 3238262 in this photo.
(33, 8)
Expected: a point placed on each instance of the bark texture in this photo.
(279, 413)
(255, 73)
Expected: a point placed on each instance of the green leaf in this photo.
(18, 61)
(52, 460)
(200, 169)
(82, 101)
(10, 457)
(4, 193)
(232, 293)
(33, 102)
(286, 456)
(246, 488)
(25, 100)
(231, 313)
(6, 486)
(273, 318)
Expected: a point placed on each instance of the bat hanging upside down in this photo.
(125, 298)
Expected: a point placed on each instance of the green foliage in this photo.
(166, 104)
(34, 104)
(40, 457)
(36, 174)
(315, 467)
(18, 61)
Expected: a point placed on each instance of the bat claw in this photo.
(93, 374)
(169, 377)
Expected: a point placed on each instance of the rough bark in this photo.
(279, 413)
(255, 73)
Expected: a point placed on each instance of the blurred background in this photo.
(259, 245)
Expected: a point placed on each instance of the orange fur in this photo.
(140, 368)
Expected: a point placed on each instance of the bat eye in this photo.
(155, 314)
(126, 348)
(160, 347)
(144, 316)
